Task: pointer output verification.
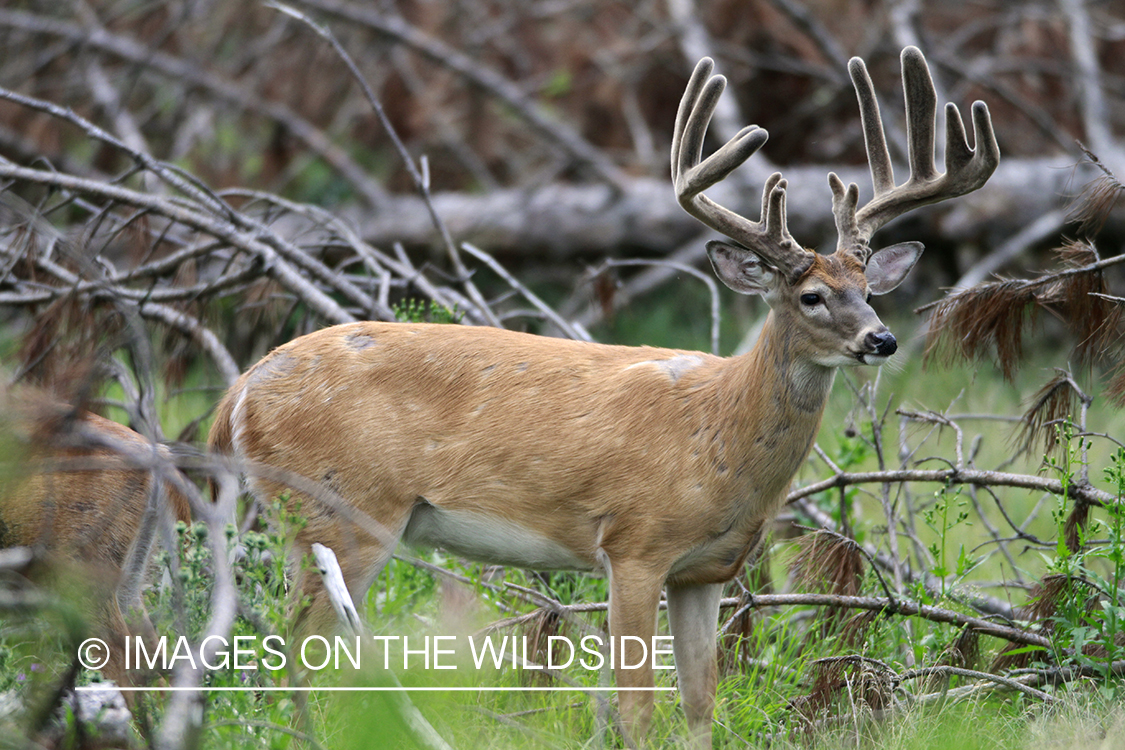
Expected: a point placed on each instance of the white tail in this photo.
(655, 467)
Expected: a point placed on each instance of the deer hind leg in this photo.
(360, 562)
(361, 555)
(634, 596)
(693, 612)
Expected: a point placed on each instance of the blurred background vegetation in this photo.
(526, 109)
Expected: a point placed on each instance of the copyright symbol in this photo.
(93, 653)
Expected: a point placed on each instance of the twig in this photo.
(695, 44)
(273, 263)
(480, 75)
(1045, 226)
(672, 266)
(958, 476)
(570, 331)
(1040, 281)
(1083, 50)
(224, 90)
(896, 606)
(812, 27)
(420, 177)
(183, 713)
(974, 674)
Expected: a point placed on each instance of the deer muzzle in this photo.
(881, 343)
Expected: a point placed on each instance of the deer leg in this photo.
(693, 612)
(633, 601)
(361, 559)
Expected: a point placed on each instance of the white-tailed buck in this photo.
(69, 494)
(657, 468)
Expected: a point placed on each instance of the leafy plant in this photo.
(943, 516)
(412, 310)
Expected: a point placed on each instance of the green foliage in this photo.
(1086, 609)
(1113, 554)
(412, 310)
(266, 607)
(264, 582)
(675, 320)
(943, 516)
(317, 183)
(560, 83)
(851, 453)
(1084, 621)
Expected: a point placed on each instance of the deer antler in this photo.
(966, 168)
(768, 237)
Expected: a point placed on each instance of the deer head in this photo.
(822, 302)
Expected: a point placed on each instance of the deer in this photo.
(657, 468)
(73, 497)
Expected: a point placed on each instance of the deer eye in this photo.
(869, 298)
(810, 299)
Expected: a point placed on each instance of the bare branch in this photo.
(189, 72)
(472, 70)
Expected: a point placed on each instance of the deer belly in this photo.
(480, 536)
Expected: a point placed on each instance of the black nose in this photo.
(882, 343)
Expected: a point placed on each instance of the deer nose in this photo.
(881, 342)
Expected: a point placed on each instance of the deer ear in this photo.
(741, 269)
(887, 268)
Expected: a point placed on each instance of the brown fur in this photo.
(508, 424)
(80, 521)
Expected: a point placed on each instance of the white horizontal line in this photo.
(380, 689)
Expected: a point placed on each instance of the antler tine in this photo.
(966, 167)
(878, 158)
(921, 114)
(768, 237)
(699, 77)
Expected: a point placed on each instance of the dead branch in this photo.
(954, 476)
(884, 605)
(419, 173)
(480, 75)
(565, 220)
(189, 72)
(946, 671)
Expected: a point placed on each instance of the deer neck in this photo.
(789, 387)
(772, 401)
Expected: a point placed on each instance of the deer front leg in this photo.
(693, 612)
(634, 596)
